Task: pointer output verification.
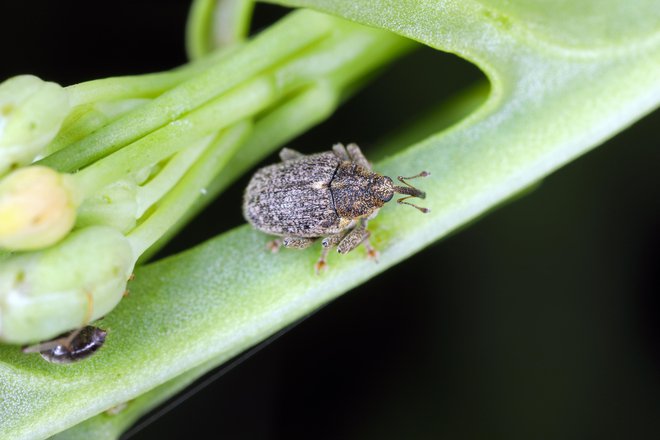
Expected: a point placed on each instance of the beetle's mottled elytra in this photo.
(70, 347)
(331, 194)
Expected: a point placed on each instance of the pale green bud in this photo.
(47, 292)
(31, 114)
(37, 208)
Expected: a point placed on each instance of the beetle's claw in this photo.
(320, 266)
(274, 245)
(373, 254)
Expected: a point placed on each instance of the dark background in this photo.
(538, 321)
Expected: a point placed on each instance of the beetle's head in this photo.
(410, 191)
(382, 188)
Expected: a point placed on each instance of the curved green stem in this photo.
(213, 24)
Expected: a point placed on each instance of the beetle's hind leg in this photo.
(289, 154)
(297, 242)
(289, 242)
(340, 152)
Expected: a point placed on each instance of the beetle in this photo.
(70, 347)
(332, 195)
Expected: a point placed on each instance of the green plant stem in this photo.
(171, 207)
(242, 102)
(216, 23)
(144, 86)
(88, 118)
(292, 34)
(116, 424)
(152, 191)
(198, 28)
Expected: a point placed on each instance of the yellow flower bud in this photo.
(37, 208)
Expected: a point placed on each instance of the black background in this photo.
(538, 321)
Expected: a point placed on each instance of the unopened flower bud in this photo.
(37, 208)
(31, 114)
(66, 286)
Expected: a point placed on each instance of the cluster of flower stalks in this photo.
(95, 176)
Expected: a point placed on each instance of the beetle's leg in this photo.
(321, 264)
(340, 152)
(298, 242)
(328, 243)
(356, 156)
(288, 154)
(353, 239)
(333, 240)
(274, 245)
(359, 235)
(372, 253)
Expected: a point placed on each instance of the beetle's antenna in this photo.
(411, 191)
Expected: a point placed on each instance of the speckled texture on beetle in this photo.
(330, 195)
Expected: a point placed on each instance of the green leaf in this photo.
(562, 81)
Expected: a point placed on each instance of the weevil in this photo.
(70, 347)
(330, 195)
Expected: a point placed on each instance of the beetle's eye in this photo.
(385, 197)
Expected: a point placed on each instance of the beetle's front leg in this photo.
(359, 235)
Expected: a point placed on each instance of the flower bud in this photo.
(47, 292)
(37, 208)
(31, 114)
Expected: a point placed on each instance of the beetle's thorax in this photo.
(357, 192)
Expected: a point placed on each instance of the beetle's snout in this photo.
(411, 191)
